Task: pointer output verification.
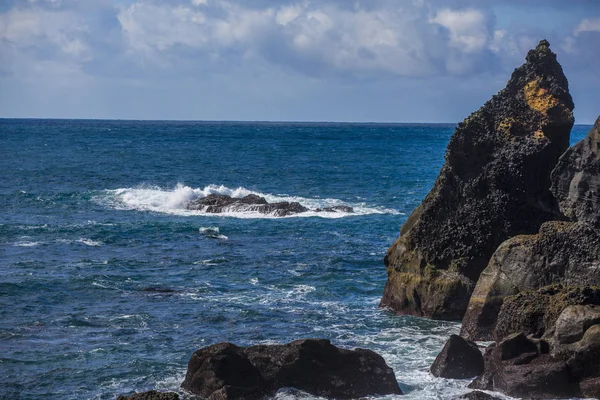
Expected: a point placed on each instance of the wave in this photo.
(175, 201)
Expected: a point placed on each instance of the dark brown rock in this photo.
(535, 312)
(573, 322)
(218, 203)
(562, 252)
(477, 395)
(494, 185)
(151, 395)
(459, 359)
(225, 371)
(576, 179)
(515, 368)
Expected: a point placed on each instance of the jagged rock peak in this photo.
(494, 185)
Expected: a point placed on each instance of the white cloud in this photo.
(468, 28)
(588, 25)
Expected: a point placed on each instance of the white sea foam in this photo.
(212, 232)
(89, 242)
(27, 244)
(175, 201)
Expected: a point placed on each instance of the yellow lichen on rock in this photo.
(539, 98)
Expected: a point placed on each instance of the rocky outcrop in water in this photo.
(494, 185)
(151, 395)
(219, 203)
(566, 252)
(459, 359)
(225, 371)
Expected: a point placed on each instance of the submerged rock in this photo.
(220, 203)
(576, 179)
(494, 185)
(225, 371)
(459, 359)
(151, 395)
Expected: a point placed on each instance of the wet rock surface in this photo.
(151, 395)
(459, 359)
(218, 203)
(494, 185)
(226, 371)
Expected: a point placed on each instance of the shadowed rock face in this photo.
(562, 252)
(459, 359)
(494, 185)
(576, 179)
(225, 371)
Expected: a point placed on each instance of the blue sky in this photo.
(301, 60)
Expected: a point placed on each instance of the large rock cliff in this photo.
(494, 185)
(566, 252)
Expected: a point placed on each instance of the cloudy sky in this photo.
(301, 60)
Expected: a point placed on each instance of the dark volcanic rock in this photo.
(346, 209)
(225, 371)
(459, 359)
(573, 322)
(218, 203)
(515, 368)
(536, 312)
(477, 395)
(151, 395)
(562, 252)
(494, 185)
(576, 179)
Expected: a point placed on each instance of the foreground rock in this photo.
(477, 395)
(218, 203)
(459, 359)
(494, 185)
(151, 395)
(576, 179)
(225, 371)
(566, 365)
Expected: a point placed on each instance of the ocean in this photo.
(108, 283)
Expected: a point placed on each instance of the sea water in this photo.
(108, 283)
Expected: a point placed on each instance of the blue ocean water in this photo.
(108, 284)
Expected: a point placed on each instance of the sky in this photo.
(284, 60)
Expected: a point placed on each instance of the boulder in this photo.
(576, 179)
(536, 312)
(459, 359)
(151, 395)
(477, 395)
(561, 252)
(494, 185)
(514, 367)
(225, 371)
(573, 322)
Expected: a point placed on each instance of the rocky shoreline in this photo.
(508, 241)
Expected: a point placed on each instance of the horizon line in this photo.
(242, 121)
